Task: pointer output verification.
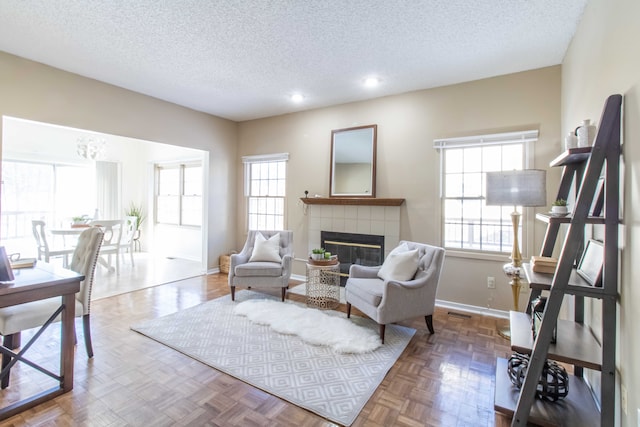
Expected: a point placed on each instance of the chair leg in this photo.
(348, 310)
(7, 342)
(382, 333)
(284, 293)
(86, 326)
(429, 320)
(233, 293)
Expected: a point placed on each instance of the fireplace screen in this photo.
(351, 248)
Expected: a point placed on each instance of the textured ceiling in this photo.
(241, 59)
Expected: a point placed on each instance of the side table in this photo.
(323, 284)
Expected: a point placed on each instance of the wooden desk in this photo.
(37, 283)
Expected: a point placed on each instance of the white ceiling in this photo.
(242, 59)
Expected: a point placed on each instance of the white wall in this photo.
(603, 59)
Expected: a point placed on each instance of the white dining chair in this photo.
(111, 243)
(45, 253)
(128, 235)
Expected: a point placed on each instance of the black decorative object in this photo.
(537, 311)
(553, 383)
(306, 194)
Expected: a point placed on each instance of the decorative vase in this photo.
(570, 141)
(586, 134)
(317, 257)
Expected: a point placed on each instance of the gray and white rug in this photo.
(333, 385)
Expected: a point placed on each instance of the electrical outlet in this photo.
(623, 398)
(491, 282)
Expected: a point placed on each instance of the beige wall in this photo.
(407, 163)
(603, 59)
(33, 91)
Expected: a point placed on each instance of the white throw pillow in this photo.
(266, 250)
(400, 266)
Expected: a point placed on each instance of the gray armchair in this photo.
(262, 274)
(392, 301)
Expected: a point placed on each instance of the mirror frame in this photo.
(374, 139)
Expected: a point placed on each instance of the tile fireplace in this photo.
(380, 221)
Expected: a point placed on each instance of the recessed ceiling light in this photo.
(297, 97)
(371, 81)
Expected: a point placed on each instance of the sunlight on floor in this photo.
(147, 270)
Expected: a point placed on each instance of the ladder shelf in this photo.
(597, 204)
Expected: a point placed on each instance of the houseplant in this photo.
(559, 207)
(317, 254)
(136, 211)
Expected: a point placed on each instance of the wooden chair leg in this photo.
(348, 310)
(382, 333)
(233, 293)
(284, 292)
(7, 342)
(429, 320)
(86, 326)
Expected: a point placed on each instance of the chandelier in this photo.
(91, 148)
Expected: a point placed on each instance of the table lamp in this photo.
(526, 188)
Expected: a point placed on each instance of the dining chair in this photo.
(128, 235)
(111, 243)
(44, 251)
(17, 318)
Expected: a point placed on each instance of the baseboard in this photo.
(483, 311)
(299, 277)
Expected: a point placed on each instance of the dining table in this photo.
(40, 282)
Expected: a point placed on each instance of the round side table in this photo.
(323, 284)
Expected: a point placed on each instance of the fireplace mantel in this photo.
(359, 201)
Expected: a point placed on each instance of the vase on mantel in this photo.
(586, 134)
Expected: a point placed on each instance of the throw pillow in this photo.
(399, 266)
(266, 250)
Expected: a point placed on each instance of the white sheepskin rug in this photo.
(311, 325)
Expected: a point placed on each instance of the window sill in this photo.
(493, 257)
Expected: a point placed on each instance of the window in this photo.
(265, 184)
(45, 191)
(179, 194)
(468, 223)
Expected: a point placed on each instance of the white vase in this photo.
(570, 141)
(586, 134)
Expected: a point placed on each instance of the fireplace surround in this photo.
(382, 221)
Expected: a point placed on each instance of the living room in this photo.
(553, 100)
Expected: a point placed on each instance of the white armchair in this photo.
(263, 263)
(388, 300)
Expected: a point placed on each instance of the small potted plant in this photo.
(317, 254)
(559, 207)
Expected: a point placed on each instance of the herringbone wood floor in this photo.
(444, 379)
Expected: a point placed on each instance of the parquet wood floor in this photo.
(444, 379)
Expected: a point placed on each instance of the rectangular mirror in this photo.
(353, 162)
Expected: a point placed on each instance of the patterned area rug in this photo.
(332, 385)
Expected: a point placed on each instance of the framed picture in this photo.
(6, 273)
(590, 267)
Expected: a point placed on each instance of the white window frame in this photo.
(526, 138)
(248, 161)
(181, 191)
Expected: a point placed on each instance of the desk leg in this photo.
(68, 341)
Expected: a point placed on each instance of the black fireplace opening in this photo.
(353, 248)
